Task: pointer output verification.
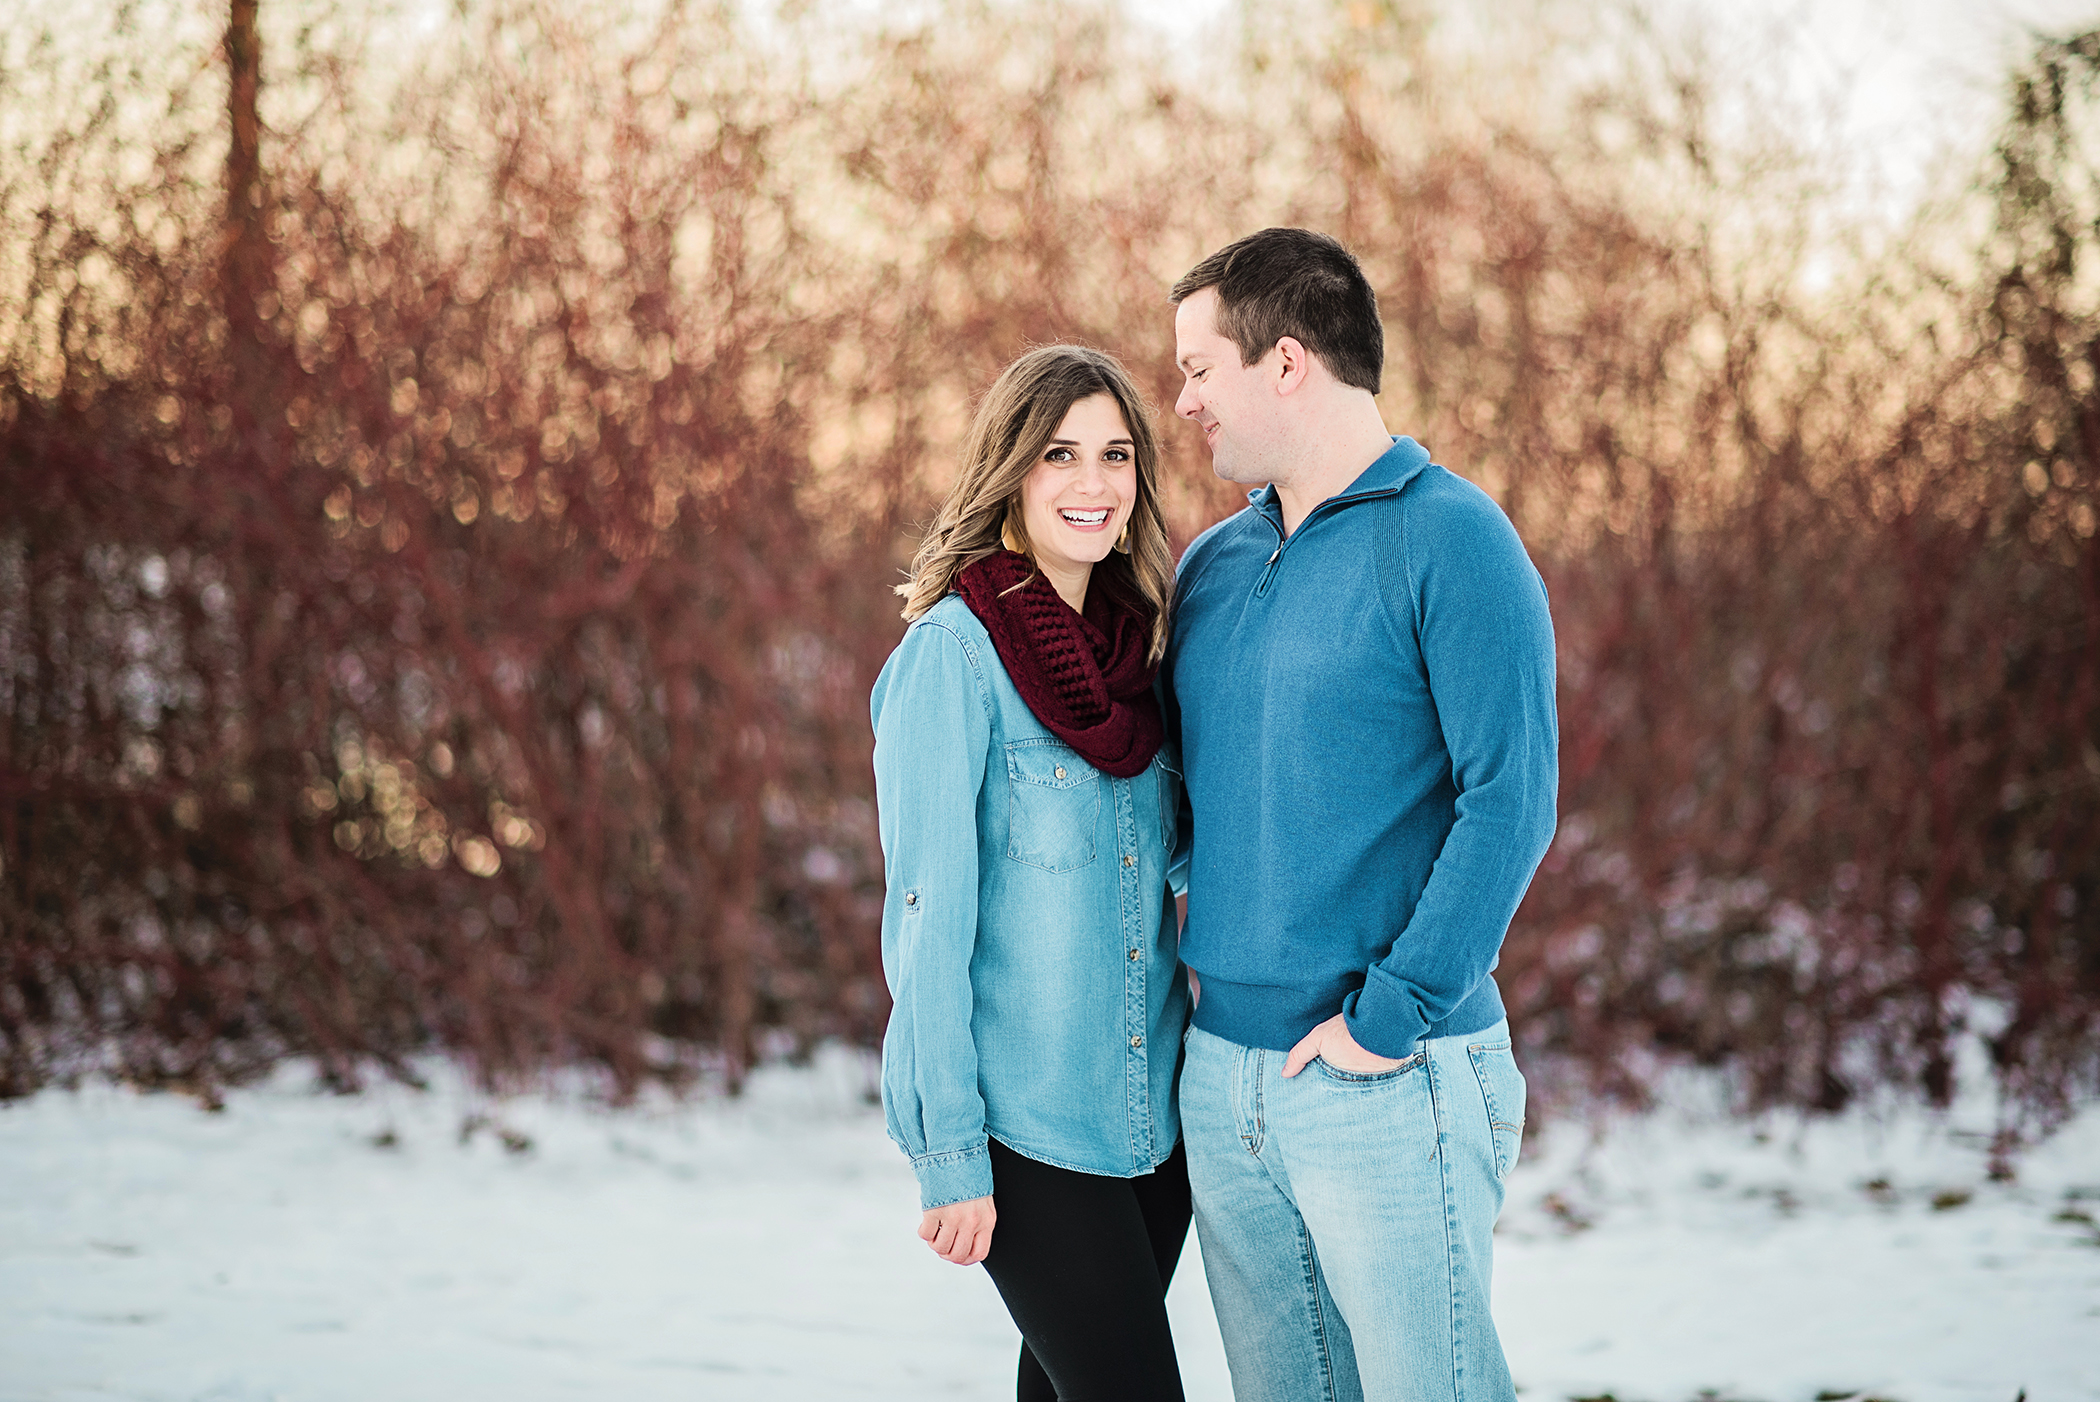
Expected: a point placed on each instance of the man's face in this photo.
(1234, 404)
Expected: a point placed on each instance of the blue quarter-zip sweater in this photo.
(1365, 717)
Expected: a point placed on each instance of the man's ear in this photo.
(1293, 365)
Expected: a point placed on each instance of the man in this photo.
(1361, 683)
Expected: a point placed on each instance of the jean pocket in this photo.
(1368, 1080)
(1054, 805)
(1502, 1090)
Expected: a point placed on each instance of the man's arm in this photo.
(1486, 636)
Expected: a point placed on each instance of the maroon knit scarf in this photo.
(1085, 677)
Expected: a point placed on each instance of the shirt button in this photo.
(911, 897)
(1134, 955)
(1129, 860)
(1137, 1041)
(1060, 771)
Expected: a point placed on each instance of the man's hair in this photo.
(1297, 283)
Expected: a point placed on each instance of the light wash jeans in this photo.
(1347, 1221)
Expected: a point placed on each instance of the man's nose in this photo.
(1186, 405)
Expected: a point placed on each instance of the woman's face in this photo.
(1079, 496)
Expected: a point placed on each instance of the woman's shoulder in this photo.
(953, 613)
(945, 641)
(949, 623)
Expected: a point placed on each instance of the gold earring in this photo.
(1123, 540)
(1011, 538)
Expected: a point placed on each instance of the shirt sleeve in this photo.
(932, 733)
(1486, 638)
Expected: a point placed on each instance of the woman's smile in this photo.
(1079, 495)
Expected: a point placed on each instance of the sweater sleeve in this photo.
(1480, 615)
(1186, 574)
(932, 734)
(1184, 816)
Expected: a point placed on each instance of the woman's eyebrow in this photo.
(1074, 443)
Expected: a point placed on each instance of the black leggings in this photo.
(1082, 1261)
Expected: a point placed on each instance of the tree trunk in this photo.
(246, 270)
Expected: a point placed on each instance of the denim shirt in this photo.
(1026, 933)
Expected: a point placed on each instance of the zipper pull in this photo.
(1272, 559)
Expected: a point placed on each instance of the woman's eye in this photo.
(1058, 455)
(1116, 455)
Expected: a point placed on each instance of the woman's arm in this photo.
(932, 735)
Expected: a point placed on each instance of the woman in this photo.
(1027, 811)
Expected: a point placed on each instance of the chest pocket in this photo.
(1055, 805)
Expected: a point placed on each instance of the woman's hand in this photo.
(961, 1232)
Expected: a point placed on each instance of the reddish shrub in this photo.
(444, 560)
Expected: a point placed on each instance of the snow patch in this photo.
(442, 1244)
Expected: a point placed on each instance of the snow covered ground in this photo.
(311, 1248)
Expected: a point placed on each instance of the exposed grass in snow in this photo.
(312, 1248)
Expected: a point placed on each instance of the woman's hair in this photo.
(1008, 437)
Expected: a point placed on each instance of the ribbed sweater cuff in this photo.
(1383, 1018)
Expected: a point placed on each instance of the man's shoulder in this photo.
(1439, 508)
(1206, 546)
(1438, 492)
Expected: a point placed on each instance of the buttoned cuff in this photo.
(953, 1177)
(1383, 1017)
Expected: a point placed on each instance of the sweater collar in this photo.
(1387, 474)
